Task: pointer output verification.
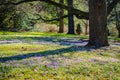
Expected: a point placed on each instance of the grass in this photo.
(31, 60)
(28, 35)
(37, 34)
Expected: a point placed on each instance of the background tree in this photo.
(6, 15)
(61, 22)
(117, 14)
(113, 19)
(70, 18)
(79, 29)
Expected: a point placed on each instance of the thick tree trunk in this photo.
(70, 18)
(98, 23)
(61, 22)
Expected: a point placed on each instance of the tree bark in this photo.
(70, 18)
(61, 22)
(98, 23)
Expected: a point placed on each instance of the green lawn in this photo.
(38, 56)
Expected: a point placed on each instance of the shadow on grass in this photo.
(117, 44)
(46, 40)
(45, 53)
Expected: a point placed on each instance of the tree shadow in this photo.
(47, 40)
(46, 53)
(116, 44)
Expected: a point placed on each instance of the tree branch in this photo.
(111, 6)
(78, 13)
(82, 14)
(45, 20)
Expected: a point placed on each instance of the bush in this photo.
(43, 27)
(21, 22)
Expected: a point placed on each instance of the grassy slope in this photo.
(19, 35)
(33, 61)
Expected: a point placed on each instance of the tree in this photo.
(6, 16)
(85, 22)
(114, 18)
(61, 22)
(98, 23)
(70, 18)
(117, 16)
(79, 29)
(21, 22)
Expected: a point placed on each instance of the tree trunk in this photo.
(86, 26)
(98, 23)
(118, 28)
(61, 22)
(118, 34)
(86, 29)
(70, 18)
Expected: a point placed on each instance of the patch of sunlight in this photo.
(29, 34)
(20, 48)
